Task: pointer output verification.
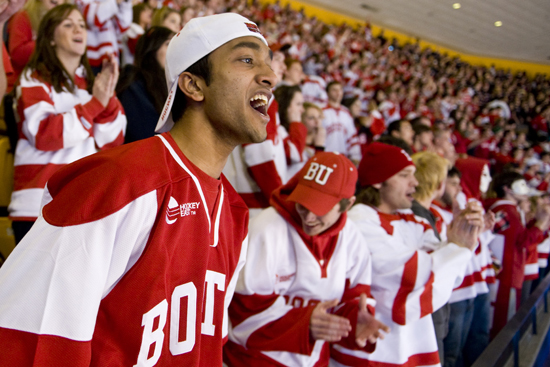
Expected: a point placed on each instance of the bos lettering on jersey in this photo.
(297, 301)
(318, 172)
(179, 344)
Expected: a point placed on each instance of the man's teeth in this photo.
(259, 97)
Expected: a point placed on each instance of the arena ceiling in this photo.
(523, 36)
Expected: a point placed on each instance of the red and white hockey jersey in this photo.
(107, 21)
(413, 275)
(133, 262)
(256, 170)
(286, 274)
(57, 129)
(511, 240)
(341, 133)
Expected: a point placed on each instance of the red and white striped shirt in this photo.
(57, 129)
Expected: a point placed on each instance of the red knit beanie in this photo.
(380, 162)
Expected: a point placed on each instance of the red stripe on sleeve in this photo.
(50, 133)
(355, 292)
(288, 333)
(49, 136)
(24, 349)
(426, 302)
(243, 306)
(110, 112)
(115, 143)
(468, 281)
(408, 280)
(33, 176)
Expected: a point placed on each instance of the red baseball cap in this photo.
(325, 179)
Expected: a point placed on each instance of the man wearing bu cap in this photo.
(306, 281)
(413, 274)
(134, 259)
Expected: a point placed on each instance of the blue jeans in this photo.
(460, 319)
(440, 319)
(478, 337)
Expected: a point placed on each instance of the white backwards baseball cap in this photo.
(198, 38)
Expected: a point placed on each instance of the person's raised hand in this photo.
(328, 327)
(320, 134)
(8, 8)
(102, 88)
(466, 226)
(542, 217)
(368, 328)
(110, 68)
(490, 221)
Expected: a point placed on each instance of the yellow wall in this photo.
(336, 18)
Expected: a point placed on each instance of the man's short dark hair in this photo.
(505, 179)
(201, 68)
(454, 172)
(330, 84)
(344, 204)
(420, 129)
(395, 126)
(369, 195)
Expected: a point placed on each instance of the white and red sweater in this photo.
(106, 21)
(286, 274)
(413, 275)
(133, 262)
(56, 129)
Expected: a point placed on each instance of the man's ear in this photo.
(377, 186)
(191, 86)
(507, 190)
(351, 202)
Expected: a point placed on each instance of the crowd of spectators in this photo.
(340, 89)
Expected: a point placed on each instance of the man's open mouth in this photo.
(259, 102)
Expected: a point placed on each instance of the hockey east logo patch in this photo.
(176, 210)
